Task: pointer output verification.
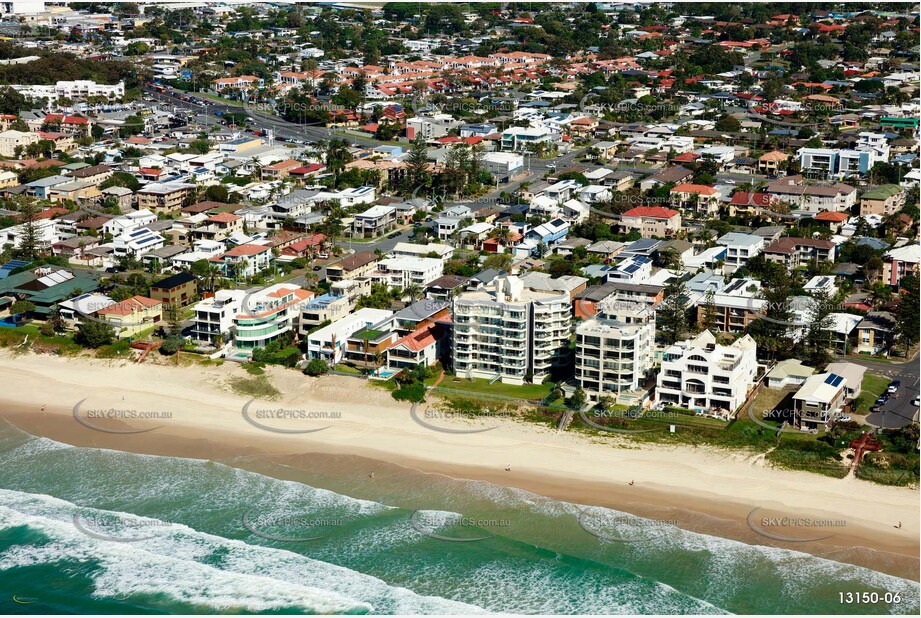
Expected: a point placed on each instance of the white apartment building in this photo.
(213, 317)
(698, 374)
(268, 314)
(402, 272)
(136, 243)
(511, 332)
(408, 249)
(330, 343)
(79, 89)
(614, 349)
(739, 249)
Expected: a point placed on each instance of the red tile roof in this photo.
(420, 338)
(130, 306)
(651, 212)
(835, 217)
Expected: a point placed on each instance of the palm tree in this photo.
(413, 291)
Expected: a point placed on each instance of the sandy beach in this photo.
(200, 416)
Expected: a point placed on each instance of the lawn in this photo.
(480, 386)
(873, 386)
(59, 344)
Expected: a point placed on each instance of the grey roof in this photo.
(421, 310)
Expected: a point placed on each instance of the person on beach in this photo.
(630, 483)
(44, 407)
(508, 468)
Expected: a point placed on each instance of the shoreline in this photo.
(705, 491)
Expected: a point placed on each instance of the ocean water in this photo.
(86, 530)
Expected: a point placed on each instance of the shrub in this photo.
(414, 392)
(170, 346)
(316, 367)
(94, 334)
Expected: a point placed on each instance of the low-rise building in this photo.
(331, 342)
(651, 221)
(132, 316)
(899, 262)
(699, 374)
(794, 252)
(882, 200)
(179, 289)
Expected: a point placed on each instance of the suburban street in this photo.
(898, 411)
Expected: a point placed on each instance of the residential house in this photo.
(699, 374)
(178, 289)
(132, 316)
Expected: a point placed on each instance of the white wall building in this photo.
(698, 374)
(402, 272)
(614, 349)
(79, 89)
(329, 344)
(511, 332)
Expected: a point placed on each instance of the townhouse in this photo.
(795, 252)
(899, 262)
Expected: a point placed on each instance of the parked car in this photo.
(844, 419)
(882, 399)
(894, 387)
(916, 401)
(317, 268)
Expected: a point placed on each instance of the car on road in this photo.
(317, 268)
(882, 400)
(551, 166)
(729, 181)
(916, 401)
(394, 235)
(281, 138)
(894, 387)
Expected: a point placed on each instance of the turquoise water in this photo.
(198, 536)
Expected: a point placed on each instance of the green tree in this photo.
(908, 312)
(316, 367)
(672, 318)
(708, 312)
(93, 334)
(21, 307)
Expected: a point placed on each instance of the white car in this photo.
(730, 181)
(916, 401)
(844, 419)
